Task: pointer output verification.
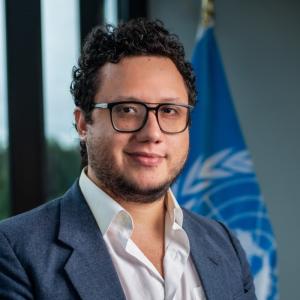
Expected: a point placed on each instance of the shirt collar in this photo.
(173, 209)
(104, 208)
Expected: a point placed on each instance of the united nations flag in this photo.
(219, 180)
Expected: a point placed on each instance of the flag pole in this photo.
(207, 13)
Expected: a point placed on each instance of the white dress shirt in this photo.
(138, 277)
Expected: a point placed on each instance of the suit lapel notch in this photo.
(212, 274)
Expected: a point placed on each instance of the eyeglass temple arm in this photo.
(101, 105)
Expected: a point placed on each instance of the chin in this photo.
(145, 182)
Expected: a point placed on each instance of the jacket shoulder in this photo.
(36, 222)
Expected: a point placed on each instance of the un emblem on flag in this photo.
(224, 187)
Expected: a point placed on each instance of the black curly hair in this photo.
(105, 44)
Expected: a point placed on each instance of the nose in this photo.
(151, 131)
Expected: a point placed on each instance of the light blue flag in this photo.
(218, 180)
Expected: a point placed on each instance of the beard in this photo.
(121, 186)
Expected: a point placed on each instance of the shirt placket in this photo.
(123, 227)
(176, 256)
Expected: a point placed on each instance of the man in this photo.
(118, 232)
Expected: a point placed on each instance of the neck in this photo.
(149, 216)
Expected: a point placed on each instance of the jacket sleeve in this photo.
(249, 289)
(14, 282)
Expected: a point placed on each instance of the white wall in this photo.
(260, 46)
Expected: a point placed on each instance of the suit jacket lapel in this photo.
(89, 266)
(208, 262)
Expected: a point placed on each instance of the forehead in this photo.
(149, 78)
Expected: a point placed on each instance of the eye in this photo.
(170, 110)
(126, 109)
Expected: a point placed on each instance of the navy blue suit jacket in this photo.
(57, 251)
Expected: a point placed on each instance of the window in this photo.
(111, 12)
(61, 44)
(4, 175)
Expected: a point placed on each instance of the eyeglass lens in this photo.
(172, 118)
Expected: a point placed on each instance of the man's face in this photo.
(137, 166)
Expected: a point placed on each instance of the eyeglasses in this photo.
(131, 116)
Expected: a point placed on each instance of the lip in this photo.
(147, 159)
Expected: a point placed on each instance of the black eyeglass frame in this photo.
(148, 108)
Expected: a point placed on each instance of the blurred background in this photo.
(259, 42)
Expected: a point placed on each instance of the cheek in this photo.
(116, 144)
(180, 146)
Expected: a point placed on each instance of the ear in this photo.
(81, 124)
